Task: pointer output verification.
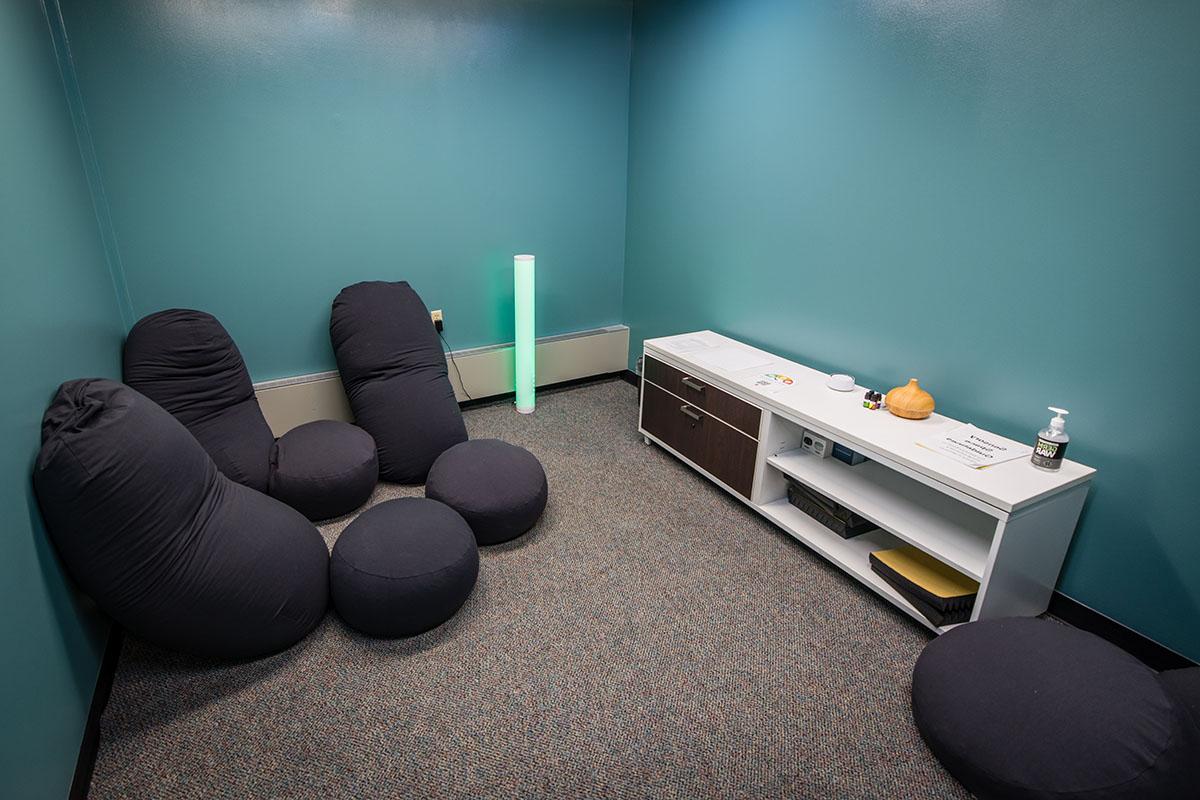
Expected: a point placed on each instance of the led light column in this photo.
(524, 367)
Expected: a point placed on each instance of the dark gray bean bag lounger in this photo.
(394, 371)
(163, 542)
(186, 362)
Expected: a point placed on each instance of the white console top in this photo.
(735, 367)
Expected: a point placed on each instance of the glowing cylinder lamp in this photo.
(523, 362)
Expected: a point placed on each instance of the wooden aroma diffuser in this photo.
(910, 401)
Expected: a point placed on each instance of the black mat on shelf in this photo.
(938, 608)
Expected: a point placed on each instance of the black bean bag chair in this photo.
(394, 371)
(187, 363)
(403, 567)
(163, 542)
(1031, 709)
(499, 489)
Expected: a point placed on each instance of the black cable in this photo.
(450, 353)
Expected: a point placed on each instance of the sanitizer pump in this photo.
(1052, 442)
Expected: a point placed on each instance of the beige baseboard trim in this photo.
(486, 371)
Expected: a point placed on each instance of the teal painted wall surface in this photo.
(1000, 198)
(59, 319)
(259, 155)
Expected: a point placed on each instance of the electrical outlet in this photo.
(436, 316)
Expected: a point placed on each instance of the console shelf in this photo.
(923, 517)
(738, 415)
(849, 554)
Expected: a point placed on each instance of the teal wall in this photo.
(59, 319)
(258, 155)
(862, 185)
(1000, 198)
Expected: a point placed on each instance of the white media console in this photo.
(708, 400)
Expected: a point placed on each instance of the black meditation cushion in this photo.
(1028, 708)
(324, 469)
(394, 371)
(187, 363)
(500, 489)
(163, 542)
(403, 567)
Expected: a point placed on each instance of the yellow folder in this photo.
(925, 571)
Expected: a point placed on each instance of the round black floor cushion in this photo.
(394, 371)
(403, 567)
(324, 469)
(1027, 708)
(499, 488)
(163, 542)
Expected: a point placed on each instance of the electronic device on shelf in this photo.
(816, 445)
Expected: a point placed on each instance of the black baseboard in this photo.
(1148, 651)
(630, 377)
(90, 745)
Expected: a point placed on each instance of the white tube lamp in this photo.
(524, 370)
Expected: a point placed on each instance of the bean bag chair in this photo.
(1033, 710)
(187, 363)
(394, 372)
(163, 542)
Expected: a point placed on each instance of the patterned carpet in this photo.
(650, 638)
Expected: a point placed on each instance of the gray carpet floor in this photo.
(651, 637)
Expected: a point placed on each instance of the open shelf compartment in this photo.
(852, 555)
(946, 529)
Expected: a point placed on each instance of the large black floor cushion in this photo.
(1027, 708)
(499, 488)
(324, 469)
(403, 567)
(162, 541)
(186, 362)
(394, 371)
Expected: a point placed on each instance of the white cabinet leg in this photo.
(1027, 555)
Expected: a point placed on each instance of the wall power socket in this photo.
(438, 319)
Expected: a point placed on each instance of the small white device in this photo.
(841, 383)
(816, 445)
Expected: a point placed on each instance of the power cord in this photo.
(450, 353)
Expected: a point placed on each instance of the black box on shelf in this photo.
(845, 454)
(833, 515)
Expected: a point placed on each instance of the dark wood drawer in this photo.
(737, 413)
(697, 435)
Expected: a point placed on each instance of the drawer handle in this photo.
(692, 383)
(689, 412)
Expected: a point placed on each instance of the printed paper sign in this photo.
(976, 448)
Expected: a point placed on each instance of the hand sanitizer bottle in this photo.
(1052, 442)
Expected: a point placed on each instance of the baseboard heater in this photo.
(475, 373)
